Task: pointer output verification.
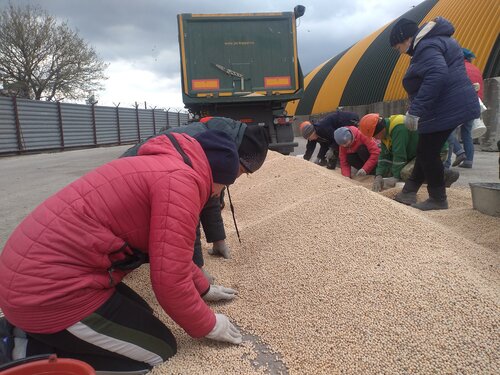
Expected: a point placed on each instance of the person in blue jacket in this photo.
(441, 98)
(322, 132)
(252, 144)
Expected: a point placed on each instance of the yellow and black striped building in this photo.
(371, 71)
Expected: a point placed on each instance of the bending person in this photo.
(252, 144)
(62, 268)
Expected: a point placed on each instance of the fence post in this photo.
(154, 121)
(179, 117)
(61, 129)
(18, 125)
(137, 119)
(168, 120)
(94, 127)
(118, 123)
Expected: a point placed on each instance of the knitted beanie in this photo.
(342, 136)
(222, 155)
(253, 147)
(402, 30)
(306, 129)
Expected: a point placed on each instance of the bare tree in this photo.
(43, 59)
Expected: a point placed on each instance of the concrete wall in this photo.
(490, 117)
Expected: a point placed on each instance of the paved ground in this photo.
(486, 167)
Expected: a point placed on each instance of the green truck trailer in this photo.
(243, 66)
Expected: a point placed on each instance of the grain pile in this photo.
(334, 278)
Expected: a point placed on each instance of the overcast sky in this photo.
(139, 38)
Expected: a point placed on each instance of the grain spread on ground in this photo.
(336, 279)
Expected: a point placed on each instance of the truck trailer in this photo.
(243, 66)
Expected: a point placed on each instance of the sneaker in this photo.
(465, 164)
(460, 158)
(6, 341)
(431, 204)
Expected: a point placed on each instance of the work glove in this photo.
(329, 154)
(219, 293)
(220, 248)
(390, 182)
(378, 183)
(224, 330)
(411, 122)
(361, 173)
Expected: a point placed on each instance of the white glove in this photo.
(220, 248)
(411, 122)
(361, 173)
(224, 330)
(477, 86)
(329, 154)
(219, 293)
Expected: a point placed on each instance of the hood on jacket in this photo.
(439, 26)
(161, 145)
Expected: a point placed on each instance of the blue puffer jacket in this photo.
(436, 81)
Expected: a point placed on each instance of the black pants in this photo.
(124, 322)
(429, 166)
(311, 146)
(213, 227)
(358, 159)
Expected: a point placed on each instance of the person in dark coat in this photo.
(441, 98)
(252, 144)
(323, 131)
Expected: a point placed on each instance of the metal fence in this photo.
(32, 125)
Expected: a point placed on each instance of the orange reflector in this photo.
(280, 81)
(246, 120)
(205, 84)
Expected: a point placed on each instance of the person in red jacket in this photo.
(356, 150)
(62, 268)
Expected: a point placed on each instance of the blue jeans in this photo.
(454, 147)
(465, 132)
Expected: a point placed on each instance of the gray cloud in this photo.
(144, 33)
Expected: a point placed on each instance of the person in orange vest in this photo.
(356, 150)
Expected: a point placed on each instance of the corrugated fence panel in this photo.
(146, 123)
(160, 119)
(40, 127)
(8, 138)
(128, 125)
(106, 125)
(77, 125)
(43, 127)
(184, 118)
(173, 119)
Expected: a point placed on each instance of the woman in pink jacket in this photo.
(62, 267)
(356, 150)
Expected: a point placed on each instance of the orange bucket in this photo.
(50, 366)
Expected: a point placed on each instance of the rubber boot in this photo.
(408, 195)
(436, 201)
(450, 176)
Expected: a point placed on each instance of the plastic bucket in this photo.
(486, 197)
(48, 366)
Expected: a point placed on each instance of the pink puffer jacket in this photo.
(359, 139)
(54, 269)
